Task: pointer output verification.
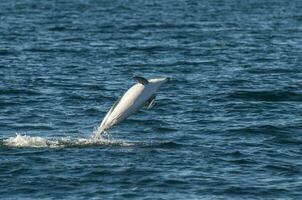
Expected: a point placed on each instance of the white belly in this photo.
(130, 102)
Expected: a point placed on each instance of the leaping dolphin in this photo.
(140, 94)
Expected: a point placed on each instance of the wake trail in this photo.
(61, 142)
(98, 137)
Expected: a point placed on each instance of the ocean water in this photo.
(227, 126)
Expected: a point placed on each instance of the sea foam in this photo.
(60, 142)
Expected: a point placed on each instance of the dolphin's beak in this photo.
(167, 79)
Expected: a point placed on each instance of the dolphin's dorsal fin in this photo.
(140, 79)
(151, 102)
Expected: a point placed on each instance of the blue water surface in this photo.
(227, 126)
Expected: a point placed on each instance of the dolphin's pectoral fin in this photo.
(140, 79)
(151, 102)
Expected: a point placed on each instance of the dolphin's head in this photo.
(158, 82)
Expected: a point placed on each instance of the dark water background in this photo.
(227, 125)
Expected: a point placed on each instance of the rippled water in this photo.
(227, 125)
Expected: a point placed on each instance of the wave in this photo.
(266, 95)
(23, 91)
(61, 142)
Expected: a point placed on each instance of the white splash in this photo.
(56, 142)
(98, 132)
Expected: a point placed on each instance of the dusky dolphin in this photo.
(140, 94)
